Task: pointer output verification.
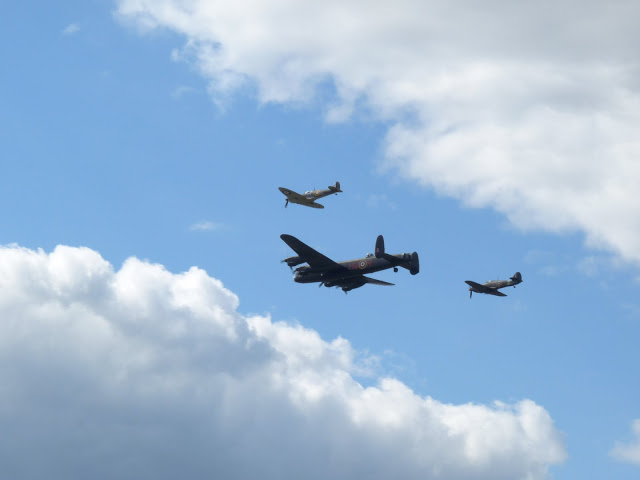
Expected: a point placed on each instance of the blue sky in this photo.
(117, 137)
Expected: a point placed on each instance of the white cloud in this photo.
(71, 29)
(530, 109)
(629, 453)
(182, 91)
(207, 225)
(377, 200)
(142, 373)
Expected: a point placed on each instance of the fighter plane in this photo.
(492, 287)
(308, 198)
(346, 275)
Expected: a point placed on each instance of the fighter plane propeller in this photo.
(346, 275)
(308, 198)
(492, 287)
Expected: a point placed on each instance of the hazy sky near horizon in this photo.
(148, 327)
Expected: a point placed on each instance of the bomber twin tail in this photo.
(346, 275)
(493, 287)
(308, 198)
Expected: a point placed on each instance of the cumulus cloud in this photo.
(142, 373)
(532, 110)
(629, 453)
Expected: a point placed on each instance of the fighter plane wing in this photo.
(497, 293)
(295, 197)
(312, 257)
(484, 289)
(292, 196)
(476, 285)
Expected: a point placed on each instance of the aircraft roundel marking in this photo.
(286, 192)
(363, 264)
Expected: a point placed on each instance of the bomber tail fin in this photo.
(414, 264)
(379, 247)
(380, 253)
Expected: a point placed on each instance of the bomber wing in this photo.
(311, 256)
(356, 282)
(373, 281)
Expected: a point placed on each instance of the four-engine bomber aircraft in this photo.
(346, 275)
(308, 198)
(492, 287)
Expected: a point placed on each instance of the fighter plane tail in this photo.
(517, 277)
(336, 188)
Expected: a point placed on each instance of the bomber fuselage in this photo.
(352, 268)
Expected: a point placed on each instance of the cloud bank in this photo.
(532, 110)
(142, 373)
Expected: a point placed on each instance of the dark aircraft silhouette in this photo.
(492, 287)
(346, 275)
(308, 198)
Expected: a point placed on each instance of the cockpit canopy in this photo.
(369, 255)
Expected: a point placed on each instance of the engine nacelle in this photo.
(293, 261)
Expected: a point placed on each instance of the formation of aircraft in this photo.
(346, 275)
(308, 198)
(493, 287)
(352, 273)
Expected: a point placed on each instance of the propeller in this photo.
(290, 267)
